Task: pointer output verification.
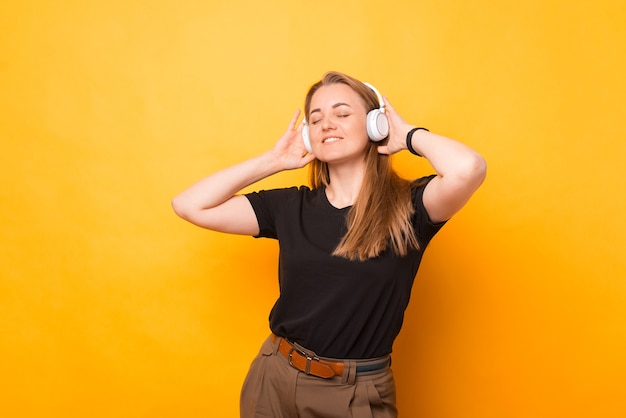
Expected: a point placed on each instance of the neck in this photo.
(345, 184)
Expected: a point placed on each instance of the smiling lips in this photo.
(331, 139)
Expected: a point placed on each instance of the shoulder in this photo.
(417, 196)
(287, 192)
(279, 196)
(276, 206)
(418, 186)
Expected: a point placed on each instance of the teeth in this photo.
(331, 139)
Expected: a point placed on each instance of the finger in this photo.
(300, 126)
(388, 104)
(308, 159)
(394, 117)
(383, 149)
(294, 119)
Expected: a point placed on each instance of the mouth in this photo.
(331, 139)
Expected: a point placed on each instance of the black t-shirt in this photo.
(336, 307)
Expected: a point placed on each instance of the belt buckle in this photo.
(308, 358)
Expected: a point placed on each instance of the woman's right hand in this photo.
(289, 150)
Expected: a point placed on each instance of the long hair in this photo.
(381, 215)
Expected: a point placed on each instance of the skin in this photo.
(339, 138)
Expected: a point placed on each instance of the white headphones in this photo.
(377, 124)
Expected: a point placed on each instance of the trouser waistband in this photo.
(326, 368)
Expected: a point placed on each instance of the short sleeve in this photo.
(267, 206)
(425, 229)
(263, 214)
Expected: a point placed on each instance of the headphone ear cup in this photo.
(377, 125)
(306, 139)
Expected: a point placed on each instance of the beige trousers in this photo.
(274, 389)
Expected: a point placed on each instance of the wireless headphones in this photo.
(377, 124)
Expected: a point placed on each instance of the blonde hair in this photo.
(381, 215)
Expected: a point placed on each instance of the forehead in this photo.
(329, 95)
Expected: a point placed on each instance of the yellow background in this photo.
(111, 306)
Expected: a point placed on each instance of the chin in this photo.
(336, 157)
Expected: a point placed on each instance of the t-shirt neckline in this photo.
(330, 205)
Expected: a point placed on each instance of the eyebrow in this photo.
(336, 105)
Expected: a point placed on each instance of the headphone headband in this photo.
(381, 104)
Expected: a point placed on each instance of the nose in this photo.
(327, 124)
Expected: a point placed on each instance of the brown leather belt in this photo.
(326, 369)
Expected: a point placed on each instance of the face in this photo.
(336, 120)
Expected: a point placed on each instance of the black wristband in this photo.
(409, 137)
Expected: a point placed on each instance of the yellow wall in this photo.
(110, 306)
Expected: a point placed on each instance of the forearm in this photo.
(460, 171)
(449, 157)
(220, 186)
(213, 202)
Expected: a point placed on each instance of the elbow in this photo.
(473, 170)
(180, 208)
(479, 167)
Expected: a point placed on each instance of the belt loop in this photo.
(349, 372)
(276, 342)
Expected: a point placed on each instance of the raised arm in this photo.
(460, 170)
(213, 202)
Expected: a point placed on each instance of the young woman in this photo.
(350, 246)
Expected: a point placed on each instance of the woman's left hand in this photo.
(398, 128)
